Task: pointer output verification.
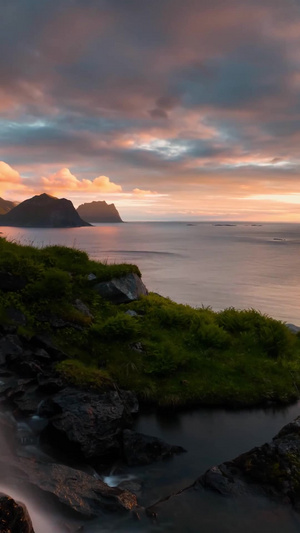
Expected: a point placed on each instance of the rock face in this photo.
(142, 449)
(87, 424)
(14, 517)
(80, 491)
(43, 211)
(122, 290)
(273, 469)
(6, 206)
(99, 212)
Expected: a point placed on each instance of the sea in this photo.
(215, 264)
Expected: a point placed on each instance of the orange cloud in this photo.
(65, 180)
(8, 175)
(141, 192)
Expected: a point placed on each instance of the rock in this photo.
(122, 290)
(81, 492)
(14, 517)
(44, 211)
(80, 306)
(99, 211)
(16, 316)
(91, 277)
(272, 469)
(88, 422)
(131, 312)
(142, 449)
(10, 345)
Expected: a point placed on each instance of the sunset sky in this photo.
(171, 109)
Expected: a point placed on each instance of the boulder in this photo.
(81, 492)
(142, 449)
(122, 290)
(88, 423)
(14, 517)
(272, 469)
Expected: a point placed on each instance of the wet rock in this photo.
(273, 468)
(89, 423)
(122, 290)
(142, 449)
(14, 517)
(81, 492)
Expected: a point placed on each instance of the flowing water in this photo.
(240, 265)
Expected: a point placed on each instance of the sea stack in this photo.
(43, 211)
(99, 212)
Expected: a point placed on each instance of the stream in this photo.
(210, 437)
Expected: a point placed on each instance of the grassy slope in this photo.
(170, 354)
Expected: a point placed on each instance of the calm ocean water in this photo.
(212, 264)
(241, 265)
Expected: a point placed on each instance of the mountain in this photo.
(43, 211)
(99, 212)
(6, 206)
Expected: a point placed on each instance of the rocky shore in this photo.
(69, 426)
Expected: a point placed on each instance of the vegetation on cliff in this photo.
(170, 354)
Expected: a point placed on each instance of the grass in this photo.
(170, 354)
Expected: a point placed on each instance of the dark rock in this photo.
(80, 306)
(10, 345)
(81, 492)
(44, 211)
(14, 517)
(99, 211)
(142, 449)
(122, 290)
(89, 423)
(11, 283)
(272, 469)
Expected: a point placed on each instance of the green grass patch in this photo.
(170, 354)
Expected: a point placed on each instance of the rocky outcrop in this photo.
(99, 212)
(81, 492)
(273, 468)
(122, 290)
(142, 449)
(87, 424)
(43, 211)
(14, 517)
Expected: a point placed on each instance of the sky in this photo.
(170, 109)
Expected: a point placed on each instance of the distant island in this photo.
(43, 211)
(6, 206)
(99, 212)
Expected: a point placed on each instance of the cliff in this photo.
(99, 212)
(43, 211)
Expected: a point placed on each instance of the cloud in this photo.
(8, 175)
(64, 180)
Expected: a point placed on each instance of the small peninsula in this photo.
(99, 212)
(43, 211)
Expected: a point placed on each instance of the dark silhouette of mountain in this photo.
(6, 206)
(99, 212)
(43, 211)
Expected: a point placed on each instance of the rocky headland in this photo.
(43, 211)
(99, 211)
